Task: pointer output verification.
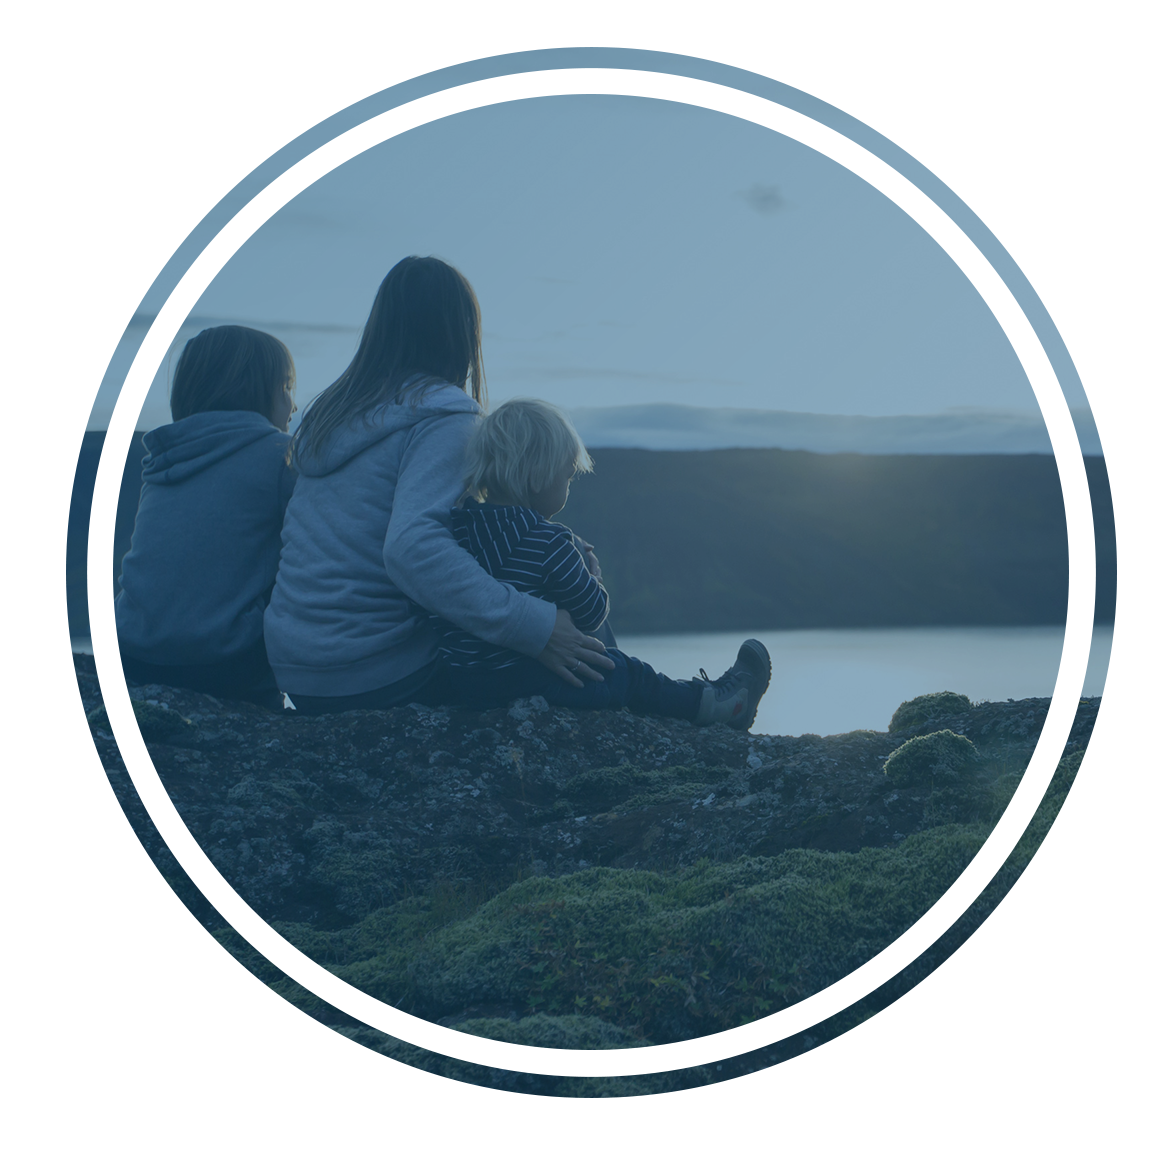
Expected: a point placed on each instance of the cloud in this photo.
(764, 198)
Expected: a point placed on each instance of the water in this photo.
(831, 681)
(94, 646)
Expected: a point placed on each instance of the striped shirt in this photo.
(518, 546)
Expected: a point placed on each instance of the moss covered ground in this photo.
(661, 942)
(663, 956)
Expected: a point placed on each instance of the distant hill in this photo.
(681, 427)
(767, 539)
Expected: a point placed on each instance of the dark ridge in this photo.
(769, 539)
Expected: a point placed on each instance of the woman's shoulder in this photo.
(431, 396)
(440, 411)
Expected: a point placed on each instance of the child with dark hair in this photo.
(206, 542)
(522, 459)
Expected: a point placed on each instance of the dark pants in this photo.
(432, 685)
(426, 687)
(244, 677)
(632, 684)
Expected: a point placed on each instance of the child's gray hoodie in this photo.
(367, 532)
(206, 541)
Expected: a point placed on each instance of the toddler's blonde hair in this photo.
(517, 450)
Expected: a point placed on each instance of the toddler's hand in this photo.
(590, 561)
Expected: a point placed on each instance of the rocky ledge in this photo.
(581, 879)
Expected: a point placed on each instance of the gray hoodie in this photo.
(206, 541)
(367, 551)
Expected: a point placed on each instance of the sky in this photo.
(864, 234)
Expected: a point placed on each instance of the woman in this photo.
(206, 541)
(367, 546)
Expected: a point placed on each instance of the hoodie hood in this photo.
(441, 399)
(176, 452)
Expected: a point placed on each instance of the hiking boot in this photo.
(732, 700)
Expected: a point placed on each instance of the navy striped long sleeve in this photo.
(520, 547)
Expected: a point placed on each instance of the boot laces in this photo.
(729, 681)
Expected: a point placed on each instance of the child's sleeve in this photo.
(567, 583)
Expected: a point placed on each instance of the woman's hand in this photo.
(569, 652)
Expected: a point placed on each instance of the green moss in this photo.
(357, 877)
(620, 958)
(378, 951)
(1030, 841)
(996, 795)
(1006, 877)
(939, 759)
(1047, 812)
(662, 956)
(946, 766)
(926, 708)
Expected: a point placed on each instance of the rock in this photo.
(157, 721)
(592, 876)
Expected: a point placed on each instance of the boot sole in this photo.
(754, 658)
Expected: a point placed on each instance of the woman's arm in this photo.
(427, 564)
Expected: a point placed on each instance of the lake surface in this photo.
(832, 681)
(829, 682)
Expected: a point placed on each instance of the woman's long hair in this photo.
(425, 321)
